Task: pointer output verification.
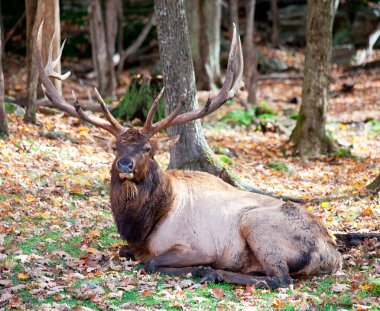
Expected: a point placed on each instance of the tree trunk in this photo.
(204, 29)
(31, 7)
(36, 11)
(192, 151)
(309, 136)
(375, 184)
(103, 63)
(234, 13)
(3, 116)
(50, 15)
(250, 53)
(275, 24)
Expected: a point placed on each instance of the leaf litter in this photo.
(59, 245)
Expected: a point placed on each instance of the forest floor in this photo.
(59, 245)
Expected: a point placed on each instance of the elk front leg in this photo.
(179, 261)
(126, 252)
(217, 276)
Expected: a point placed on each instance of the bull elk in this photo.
(179, 222)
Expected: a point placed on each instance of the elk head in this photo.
(135, 147)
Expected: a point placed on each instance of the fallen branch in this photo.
(366, 66)
(135, 45)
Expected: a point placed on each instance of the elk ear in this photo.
(163, 144)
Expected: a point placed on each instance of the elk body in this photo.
(178, 222)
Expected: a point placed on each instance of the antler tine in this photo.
(53, 95)
(232, 83)
(167, 122)
(108, 114)
(152, 112)
(52, 64)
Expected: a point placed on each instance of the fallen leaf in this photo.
(218, 292)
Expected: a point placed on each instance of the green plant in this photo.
(240, 117)
(294, 116)
(344, 152)
(375, 126)
(139, 98)
(279, 166)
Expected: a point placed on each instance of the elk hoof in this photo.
(202, 271)
(126, 252)
(212, 277)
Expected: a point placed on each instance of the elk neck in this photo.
(138, 207)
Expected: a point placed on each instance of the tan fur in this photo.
(176, 221)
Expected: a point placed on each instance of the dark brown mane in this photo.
(136, 217)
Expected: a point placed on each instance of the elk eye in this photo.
(146, 149)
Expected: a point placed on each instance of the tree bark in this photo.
(36, 11)
(204, 29)
(309, 136)
(192, 151)
(250, 53)
(49, 12)
(31, 7)
(3, 117)
(275, 24)
(101, 57)
(234, 13)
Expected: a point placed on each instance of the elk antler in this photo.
(231, 85)
(111, 125)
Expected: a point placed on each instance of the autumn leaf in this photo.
(278, 304)
(217, 292)
(22, 276)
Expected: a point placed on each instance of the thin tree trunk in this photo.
(250, 53)
(234, 13)
(192, 151)
(309, 136)
(103, 63)
(204, 29)
(50, 15)
(3, 117)
(124, 54)
(275, 24)
(111, 23)
(32, 79)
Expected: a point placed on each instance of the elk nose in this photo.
(125, 165)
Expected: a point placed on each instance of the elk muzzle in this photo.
(126, 166)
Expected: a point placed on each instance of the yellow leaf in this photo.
(324, 204)
(92, 250)
(278, 304)
(343, 126)
(43, 215)
(310, 208)
(366, 212)
(23, 276)
(367, 286)
(83, 129)
(94, 233)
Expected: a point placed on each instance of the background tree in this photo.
(36, 11)
(103, 33)
(309, 136)
(250, 53)
(192, 151)
(275, 24)
(204, 30)
(3, 116)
